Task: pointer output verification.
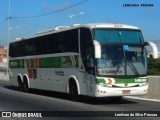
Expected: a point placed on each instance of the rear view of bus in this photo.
(120, 60)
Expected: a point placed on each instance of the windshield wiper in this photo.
(133, 68)
(119, 66)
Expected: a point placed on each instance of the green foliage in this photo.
(153, 66)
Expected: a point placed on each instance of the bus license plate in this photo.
(126, 91)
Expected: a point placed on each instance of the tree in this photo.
(153, 66)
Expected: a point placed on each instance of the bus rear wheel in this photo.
(73, 91)
(20, 84)
(25, 85)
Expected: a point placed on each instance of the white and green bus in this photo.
(97, 60)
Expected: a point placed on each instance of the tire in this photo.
(25, 86)
(73, 91)
(20, 84)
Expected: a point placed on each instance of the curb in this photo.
(140, 98)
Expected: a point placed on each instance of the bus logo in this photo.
(126, 84)
(140, 80)
(13, 64)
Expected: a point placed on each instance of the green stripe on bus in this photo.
(32, 63)
(124, 80)
(22, 63)
(100, 80)
(48, 62)
(131, 80)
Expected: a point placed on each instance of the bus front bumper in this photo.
(130, 91)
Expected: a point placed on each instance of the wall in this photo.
(154, 84)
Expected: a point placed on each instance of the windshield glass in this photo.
(118, 36)
(115, 61)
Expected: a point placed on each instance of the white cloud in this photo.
(71, 16)
(81, 13)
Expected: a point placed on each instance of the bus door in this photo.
(87, 58)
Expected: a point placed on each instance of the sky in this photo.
(27, 17)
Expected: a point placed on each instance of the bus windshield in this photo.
(115, 61)
(118, 36)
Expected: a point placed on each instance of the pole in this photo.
(7, 70)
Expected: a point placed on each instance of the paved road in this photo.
(13, 100)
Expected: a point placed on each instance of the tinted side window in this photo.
(66, 41)
(44, 45)
(16, 49)
(70, 42)
(86, 46)
(21, 49)
(85, 40)
(30, 48)
(12, 50)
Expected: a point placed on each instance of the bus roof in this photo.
(90, 26)
(109, 25)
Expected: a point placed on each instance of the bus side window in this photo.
(70, 42)
(55, 44)
(31, 48)
(90, 60)
(12, 50)
(75, 41)
(21, 50)
(86, 47)
(44, 45)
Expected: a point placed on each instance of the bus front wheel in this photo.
(73, 91)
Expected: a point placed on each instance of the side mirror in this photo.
(154, 49)
(97, 49)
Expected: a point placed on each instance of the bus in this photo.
(96, 60)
